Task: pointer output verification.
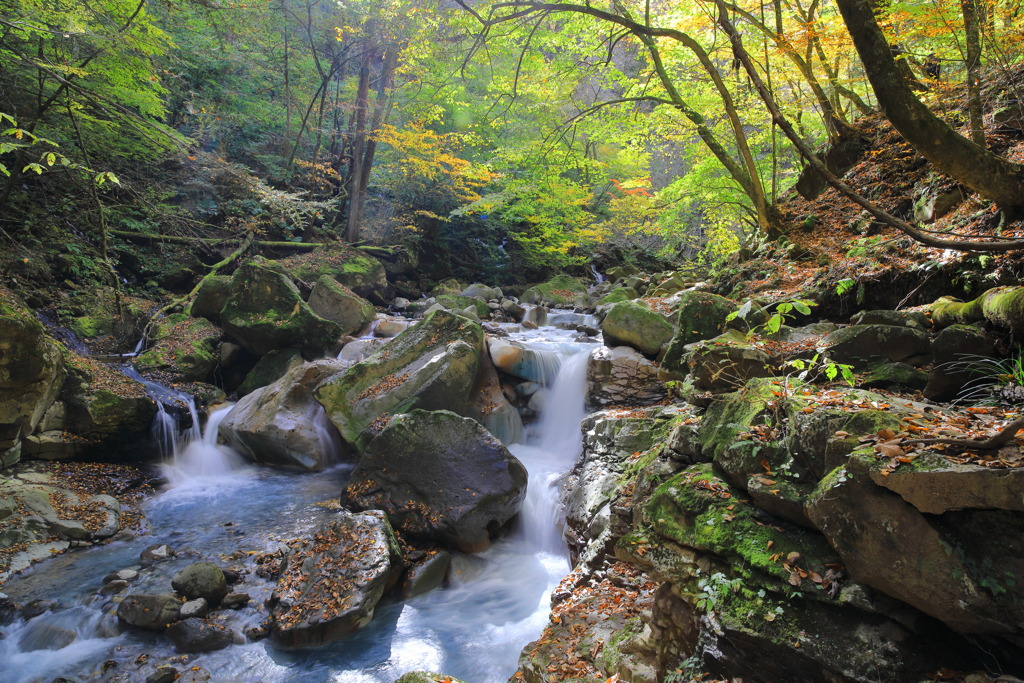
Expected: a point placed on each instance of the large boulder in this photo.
(100, 411)
(265, 311)
(283, 424)
(931, 564)
(559, 291)
(516, 359)
(31, 372)
(726, 362)
(622, 376)
(271, 367)
(335, 302)
(331, 583)
(866, 344)
(355, 269)
(700, 316)
(433, 365)
(631, 324)
(457, 303)
(209, 301)
(182, 347)
(440, 477)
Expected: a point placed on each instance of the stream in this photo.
(217, 508)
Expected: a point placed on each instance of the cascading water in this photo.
(198, 458)
(474, 629)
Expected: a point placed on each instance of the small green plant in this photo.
(713, 590)
(784, 310)
(845, 285)
(991, 379)
(15, 139)
(808, 369)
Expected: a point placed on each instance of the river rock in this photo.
(199, 635)
(426, 574)
(156, 553)
(265, 311)
(194, 609)
(481, 291)
(433, 365)
(271, 367)
(335, 302)
(631, 324)
(153, 611)
(935, 485)
(426, 677)
(283, 424)
(331, 583)
(183, 347)
(914, 319)
(201, 580)
(516, 359)
(513, 310)
(622, 376)
(31, 372)
(440, 477)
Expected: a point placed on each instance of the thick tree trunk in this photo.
(990, 176)
(972, 40)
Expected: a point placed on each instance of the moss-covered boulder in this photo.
(439, 477)
(451, 286)
(265, 311)
(479, 290)
(100, 413)
(357, 270)
(616, 295)
(631, 324)
(726, 362)
(271, 367)
(560, 290)
(31, 372)
(457, 303)
(701, 316)
(210, 299)
(433, 365)
(335, 302)
(183, 347)
(427, 677)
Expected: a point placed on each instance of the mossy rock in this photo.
(337, 303)
(616, 295)
(451, 286)
(433, 365)
(90, 327)
(726, 362)
(32, 370)
(631, 324)
(358, 271)
(103, 404)
(210, 299)
(184, 347)
(427, 677)
(559, 291)
(457, 303)
(265, 311)
(701, 316)
(697, 509)
(894, 375)
(270, 368)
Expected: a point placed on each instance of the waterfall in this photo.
(198, 458)
(550, 451)
(598, 277)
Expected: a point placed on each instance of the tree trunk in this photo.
(355, 198)
(990, 176)
(972, 33)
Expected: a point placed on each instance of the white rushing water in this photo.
(474, 629)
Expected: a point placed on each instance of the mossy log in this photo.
(1002, 306)
(150, 238)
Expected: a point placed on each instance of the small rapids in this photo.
(218, 508)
